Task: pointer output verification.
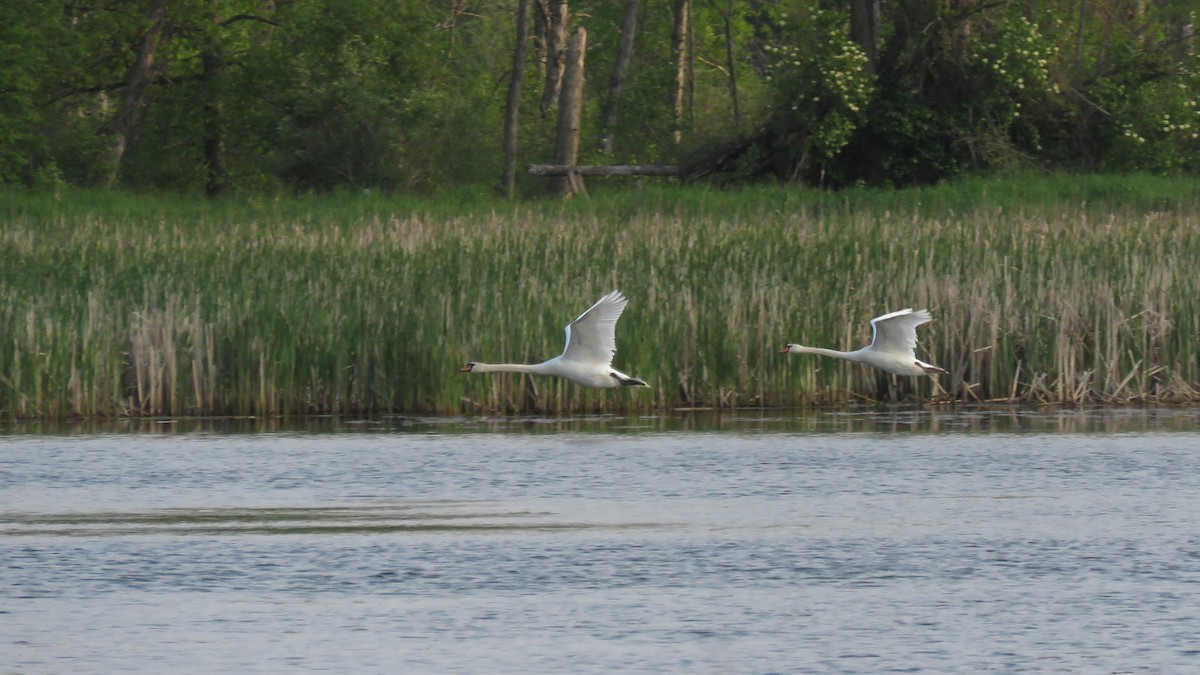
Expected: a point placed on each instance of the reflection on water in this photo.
(994, 419)
(856, 540)
(366, 518)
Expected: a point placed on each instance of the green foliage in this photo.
(27, 31)
(1153, 106)
(820, 84)
(1010, 66)
(349, 93)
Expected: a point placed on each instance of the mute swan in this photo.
(587, 358)
(893, 338)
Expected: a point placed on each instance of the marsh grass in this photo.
(1044, 289)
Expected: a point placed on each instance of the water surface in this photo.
(857, 541)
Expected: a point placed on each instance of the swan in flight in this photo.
(893, 339)
(587, 358)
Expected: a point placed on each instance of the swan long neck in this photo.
(821, 351)
(534, 368)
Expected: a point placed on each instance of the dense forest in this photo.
(422, 96)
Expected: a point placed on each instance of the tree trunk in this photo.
(689, 71)
(1184, 33)
(1079, 36)
(512, 105)
(864, 22)
(727, 17)
(124, 123)
(539, 31)
(570, 105)
(212, 63)
(212, 79)
(555, 19)
(679, 45)
(617, 83)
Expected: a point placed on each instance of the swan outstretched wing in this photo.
(593, 336)
(897, 332)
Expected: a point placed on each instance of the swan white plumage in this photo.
(893, 339)
(587, 358)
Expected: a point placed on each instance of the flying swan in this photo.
(893, 339)
(587, 358)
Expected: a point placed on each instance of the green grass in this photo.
(1043, 288)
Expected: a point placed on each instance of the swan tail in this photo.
(931, 369)
(627, 381)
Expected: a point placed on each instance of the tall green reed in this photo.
(1061, 289)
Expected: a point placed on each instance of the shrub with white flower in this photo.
(1011, 64)
(1153, 122)
(820, 84)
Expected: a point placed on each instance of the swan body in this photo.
(587, 358)
(893, 341)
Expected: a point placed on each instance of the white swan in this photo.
(587, 358)
(893, 339)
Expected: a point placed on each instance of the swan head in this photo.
(790, 348)
(467, 368)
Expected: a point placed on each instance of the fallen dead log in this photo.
(626, 170)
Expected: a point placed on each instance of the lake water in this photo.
(860, 541)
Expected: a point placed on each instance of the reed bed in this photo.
(1047, 290)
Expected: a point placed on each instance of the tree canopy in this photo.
(409, 95)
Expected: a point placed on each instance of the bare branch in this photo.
(246, 17)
